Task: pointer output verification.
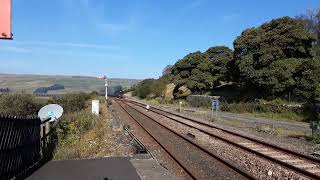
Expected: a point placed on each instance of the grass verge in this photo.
(83, 135)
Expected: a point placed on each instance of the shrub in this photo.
(76, 123)
(72, 102)
(94, 94)
(150, 88)
(19, 104)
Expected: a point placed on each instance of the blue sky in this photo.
(127, 38)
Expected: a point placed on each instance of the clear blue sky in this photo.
(127, 39)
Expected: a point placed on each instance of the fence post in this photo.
(48, 130)
(43, 139)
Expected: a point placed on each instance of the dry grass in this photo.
(98, 141)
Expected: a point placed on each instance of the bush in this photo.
(71, 129)
(258, 107)
(19, 104)
(72, 102)
(150, 88)
(76, 123)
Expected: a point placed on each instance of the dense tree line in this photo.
(277, 58)
(44, 90)
(5, 90)
(270, 57)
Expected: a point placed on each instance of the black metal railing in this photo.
(25, 144)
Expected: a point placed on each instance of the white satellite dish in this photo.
(53, 111)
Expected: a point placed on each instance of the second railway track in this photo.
(304, 165)
(197, 161)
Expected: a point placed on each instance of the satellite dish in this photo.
(53, 111)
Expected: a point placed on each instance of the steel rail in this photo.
(293, 153)
(148, 132)
(228, 164)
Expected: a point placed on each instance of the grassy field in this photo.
(28, 83)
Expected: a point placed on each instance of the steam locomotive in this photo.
(115, 91)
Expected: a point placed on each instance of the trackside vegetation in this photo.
(20, 104)
(279, 60)
(80, 133)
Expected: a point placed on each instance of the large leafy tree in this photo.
(220, 58)
(268, 57)
(308, 85)
(193, 71)
(202, 72)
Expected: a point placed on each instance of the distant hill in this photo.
(29, 83)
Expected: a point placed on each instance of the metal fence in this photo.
(24, 143)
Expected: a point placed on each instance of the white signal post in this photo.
(106, 84)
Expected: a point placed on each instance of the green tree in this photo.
(193, 71)
(201, 72)
(308, 85)
(150, 87)
(268, 57)
(220, 58)
(72, 102)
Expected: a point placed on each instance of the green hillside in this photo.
(28, 83)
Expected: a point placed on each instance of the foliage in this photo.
(274, 60)
(311, 20)
(221, 63)
(268, 57)
(316, 50)
(19, 104)
(4, 90)
(71, 128)
(309, 79)
(76, 123)
(203, 71)
(150, 88)
(272, 111)
(84, 135)
(71, 102)
(94, 93)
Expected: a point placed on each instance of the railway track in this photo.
(197, 161)
(305, 165)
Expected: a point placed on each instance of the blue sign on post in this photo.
(216, 105)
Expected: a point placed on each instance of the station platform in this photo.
(103, 169)
(109, 168)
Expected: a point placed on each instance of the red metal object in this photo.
(5, 19)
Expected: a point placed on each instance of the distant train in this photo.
(115, 91)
